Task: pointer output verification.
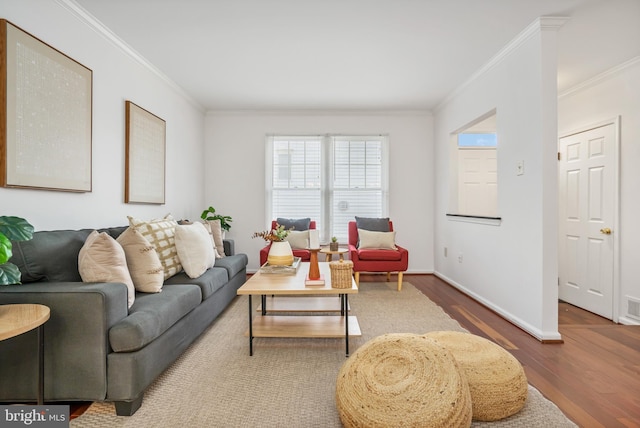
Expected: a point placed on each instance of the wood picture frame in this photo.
(46, 115)
(145, 156)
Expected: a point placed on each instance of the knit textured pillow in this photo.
(144, 264)
(161, 235)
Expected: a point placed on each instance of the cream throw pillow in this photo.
(102, 259)
(216, 232)
(377, 240)
(144, 264)
(161, 234)
(195, 250)
(298, 239)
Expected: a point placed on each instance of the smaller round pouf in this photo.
(497, 381)
(402, 379)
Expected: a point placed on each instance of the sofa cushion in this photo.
(378, 255)
(161, 234)
(294, 223)
(299, 240)
(144, 264)
(233, 264)
(215, 229)
(373, 223)
(195, 248)
(153, 314)
(379, 240)
(209, 282)
(50, 255)
(102, 259)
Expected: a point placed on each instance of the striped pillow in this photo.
(161, 235)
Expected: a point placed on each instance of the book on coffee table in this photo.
(309, 281)
(277, 269)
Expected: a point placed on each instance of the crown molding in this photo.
(606, 75)
(302, 112)
(90, 21)
(543, 23)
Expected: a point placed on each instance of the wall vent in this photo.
(633, 307)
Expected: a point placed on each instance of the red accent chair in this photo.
(376, 260)
(305, 255)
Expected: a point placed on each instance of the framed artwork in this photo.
(145, 156)
(45, 119)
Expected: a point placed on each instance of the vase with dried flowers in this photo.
(280, 253)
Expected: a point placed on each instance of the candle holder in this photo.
(314, 277)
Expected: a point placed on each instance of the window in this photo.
(474, 190)
(330, 179)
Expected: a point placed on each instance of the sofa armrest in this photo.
(229, 247)
(75, 340)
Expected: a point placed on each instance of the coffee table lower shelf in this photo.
(328, 326)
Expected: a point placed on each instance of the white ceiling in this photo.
(354, 54)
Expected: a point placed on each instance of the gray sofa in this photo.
(95, 348)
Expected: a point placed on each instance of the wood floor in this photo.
(593, 377)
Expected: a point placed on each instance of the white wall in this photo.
(235, 173)
(512, 267)
(613, 94)
(116, 77)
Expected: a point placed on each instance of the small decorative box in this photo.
(341, 273)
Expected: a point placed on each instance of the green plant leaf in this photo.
(5, 249)
(9, 274)
(16, 228)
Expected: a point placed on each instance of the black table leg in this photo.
(250, 327)
(41, 365)
(346, 323)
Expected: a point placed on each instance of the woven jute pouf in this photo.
(497, 381)
(402, 380)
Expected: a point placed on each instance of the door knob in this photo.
(605, 231)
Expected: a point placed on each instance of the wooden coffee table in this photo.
(310, 300)
(18, 319)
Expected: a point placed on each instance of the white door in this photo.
(588, 189)
(478, 182)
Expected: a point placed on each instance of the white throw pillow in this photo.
(195, 249)
(160, 233)
(144, 264)
(298, 239)
(377, 240)
(102, 259)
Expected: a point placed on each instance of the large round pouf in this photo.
(497, 381)
(402, 380)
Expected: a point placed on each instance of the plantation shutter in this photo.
(330, 179)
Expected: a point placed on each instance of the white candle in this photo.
(314, 239)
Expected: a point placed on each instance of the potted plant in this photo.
(333, 245)
(280, 253)
(210, 214)
(16, 229)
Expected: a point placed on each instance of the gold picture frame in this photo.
(46, 115)
(145, 156)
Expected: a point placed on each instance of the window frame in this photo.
(327, 179)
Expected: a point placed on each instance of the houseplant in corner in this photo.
(210, 214)
(16, 229)
(280, 253)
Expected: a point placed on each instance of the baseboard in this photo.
(627, 321)
(546, 337)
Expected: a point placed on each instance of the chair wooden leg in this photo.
(399, 281)
(388, 276)
(357, 274)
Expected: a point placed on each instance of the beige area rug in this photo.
(287, 382)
